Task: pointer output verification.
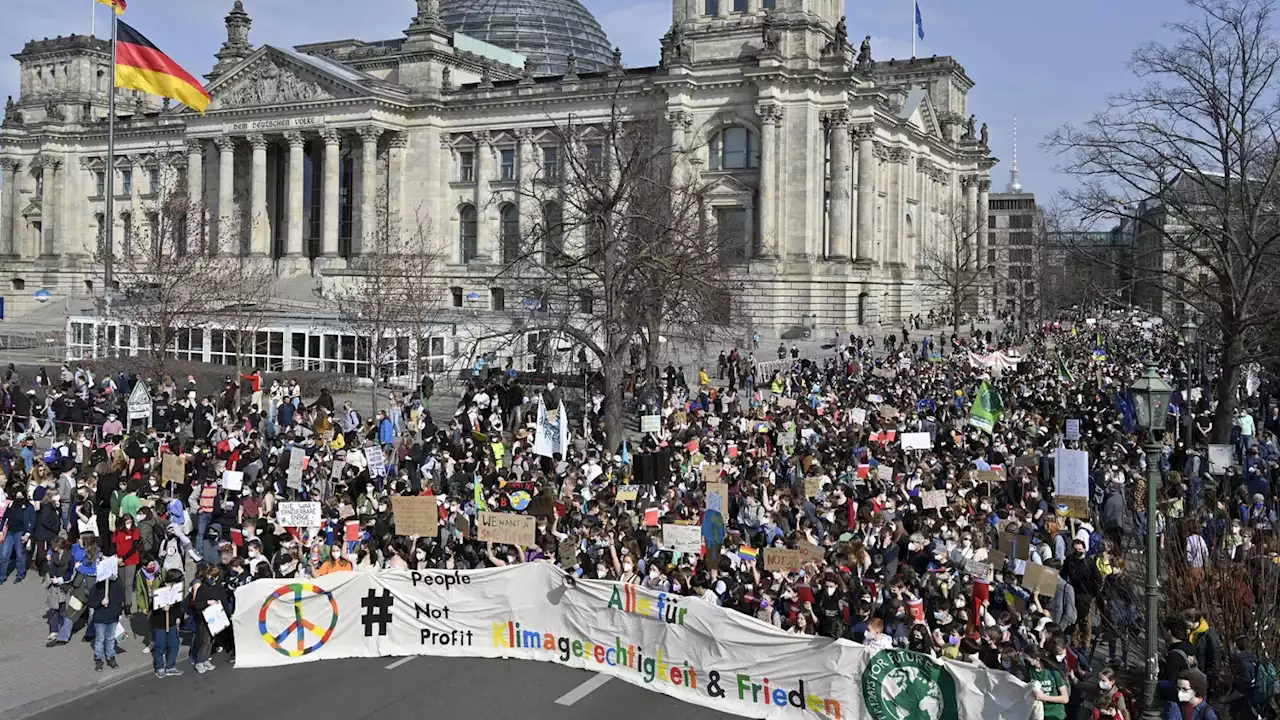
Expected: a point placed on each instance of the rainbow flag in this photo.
(748, 553)
(141, 66)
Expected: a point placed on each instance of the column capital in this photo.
(257, 141)
(331, 136)
(195, 146)
(770, 113)
(524, 134)
(482, 137)
(984, 184)
(225, 143)
(899, 155)
(446, 141)
(10, 164)
(862, 131)
(370, 133)
(681, 119)
(399, 140)
(294, 139)
(836, 118)
(968, 181)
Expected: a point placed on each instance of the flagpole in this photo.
(93, 18)
(108, 241)
(914, 4)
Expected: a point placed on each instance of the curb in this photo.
(36, 707)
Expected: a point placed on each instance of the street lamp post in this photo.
(1188, 333)
(1151, 405)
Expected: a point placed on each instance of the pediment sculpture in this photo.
(270, 84)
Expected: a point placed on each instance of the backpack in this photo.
(1264, 682)
(1189, 659)
(1095, 543)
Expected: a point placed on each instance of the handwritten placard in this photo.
(682, 538)
(298, 514)
(173, 469)
(628, 493)
(932, 499)
(650, 423)
(787, 559)
(506, 528)
(416, 515)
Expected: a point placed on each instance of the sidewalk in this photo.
(34, 678)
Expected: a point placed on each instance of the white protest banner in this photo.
(650, 423)
(934, 499)
(682, 538)
(710, 656)
(377, 464)
(232, 480)
(298, 514)
(1073, 429)
(916, 441)
(168, 596)
(1072, 473)
(858, 416)
(1220, 459)
(107, 568)
(293, 478)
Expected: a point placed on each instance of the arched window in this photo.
(467, 233)
(734, 148)
(510, 217)
(553, 224)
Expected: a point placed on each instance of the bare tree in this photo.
(1191, 159)
(388, 296)
(166, 284)
(949, 267)
(247, 292)
(622, 247)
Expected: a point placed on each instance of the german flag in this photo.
(141, 66)
(117, 5)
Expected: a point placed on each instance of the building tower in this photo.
(1015, 184)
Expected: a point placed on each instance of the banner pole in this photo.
(108, 220)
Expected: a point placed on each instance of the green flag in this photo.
(987, 408)
(1064, 374)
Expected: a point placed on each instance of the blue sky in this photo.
(1046, 62)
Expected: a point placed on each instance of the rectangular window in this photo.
(595, 159)
(739, 6)
(731, 228)
(586, 303)
(497, 299)
(509, 164)
(126, 182)
(456, 294)
(466, 166)
(153, 178)
(711, 7)
(551, 163)
(100, 182)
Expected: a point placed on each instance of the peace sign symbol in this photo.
(301, 627)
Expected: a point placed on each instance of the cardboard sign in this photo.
(377, 464)
(1027, 461)
(168, 596)
(1073, 429)
(173, 469)
(886, 373)
(978, 570)
(858, 416)
(416, 515)
(711, 473)
(567, 552)
(298, 514)
(989, 476)
(682, 538)
(627, 493)
(916, 441)
(1015, 546)
(996, 560)
(934, 499)
(1071, 474)
(1221, 458)
(787, 439)
(293, 478)
(787, 559)
(506, 528)
(650, 423)
(1072, 506)
(232, 480)
(888, 412)
(1040, 579)
(812, 486)
(718, 497)
(335, 472)
(786, 403)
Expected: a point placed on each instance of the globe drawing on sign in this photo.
(902, 685)
(305, 618)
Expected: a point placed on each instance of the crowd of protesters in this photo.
(810, 450)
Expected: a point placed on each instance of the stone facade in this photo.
(837, 168)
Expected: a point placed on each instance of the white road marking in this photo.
(402, 661)
(583, 690)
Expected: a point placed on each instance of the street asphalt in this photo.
(385, 688)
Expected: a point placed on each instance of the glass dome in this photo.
(547, 31)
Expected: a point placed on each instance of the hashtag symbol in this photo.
(377, 611)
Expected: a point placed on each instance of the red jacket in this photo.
(255, 381)
(128, 546)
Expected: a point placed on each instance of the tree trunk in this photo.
(1225, 391)
(651, 347)
(613, 398)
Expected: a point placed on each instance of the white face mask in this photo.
(1186, 695)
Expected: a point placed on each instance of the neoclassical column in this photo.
(838, 197)
(135, 205)
(401, 221)
(984, 205)
(444, 171)
(901, 159)
(332, 176)
(297, 165)
(970, 184)
(195, 191)
(48, 205)
(864, 134)
(527, 199)
(484, 239)
(680, 122)
(224, 239)
(259, 232)
(9, 207)
(770, 118)
(368, 224)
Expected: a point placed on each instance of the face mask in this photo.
(831, 591)
(421, 555)
(1061, 657)
(627, 567)
(1186, 695)
(1105, 685)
